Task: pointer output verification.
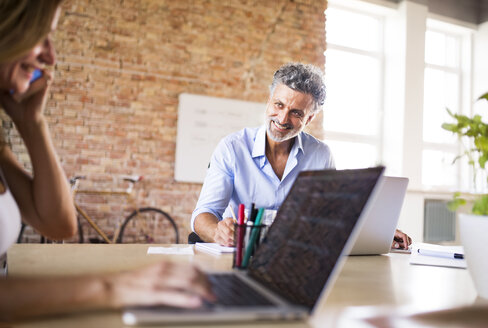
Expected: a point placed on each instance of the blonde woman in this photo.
(43, 199)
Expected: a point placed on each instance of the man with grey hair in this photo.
(259, 165)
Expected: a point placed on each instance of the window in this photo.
(354, 79)
(375, 114)
(445, 78)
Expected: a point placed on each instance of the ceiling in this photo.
(470, 11)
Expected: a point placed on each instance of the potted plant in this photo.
(473, 227)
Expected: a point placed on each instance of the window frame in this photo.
(463, 35)
(375, 140)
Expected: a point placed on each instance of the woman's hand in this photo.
(28, 107)
(166, 283)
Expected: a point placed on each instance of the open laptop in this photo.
(378, 229)
(296, 264)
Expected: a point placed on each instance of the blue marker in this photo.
(37, 74)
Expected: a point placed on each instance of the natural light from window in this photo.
(443, 77)
(354, 87)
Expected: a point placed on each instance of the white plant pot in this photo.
(474, 231)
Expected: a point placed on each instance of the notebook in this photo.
(297, 262)
(378, 230)
(214, 248)
(435, 260)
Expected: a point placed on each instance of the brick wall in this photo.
(122, 64)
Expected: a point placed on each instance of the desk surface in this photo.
(379, 285)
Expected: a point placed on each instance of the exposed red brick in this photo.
(121, 67)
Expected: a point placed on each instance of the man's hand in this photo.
(401, 240)
(224, 234)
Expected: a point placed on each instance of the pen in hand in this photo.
(233, 214)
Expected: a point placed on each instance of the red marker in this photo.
(240, 235)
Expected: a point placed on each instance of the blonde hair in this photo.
(23, 24)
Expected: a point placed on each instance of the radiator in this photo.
(439, 222)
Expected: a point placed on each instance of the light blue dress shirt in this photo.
(239, 172)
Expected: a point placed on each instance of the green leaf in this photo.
(481, 144)
(462, 119)
(450, 127)
(484, 96)
(480, 206)
(456, 201)
(482, 160)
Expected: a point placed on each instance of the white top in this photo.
(10, 220)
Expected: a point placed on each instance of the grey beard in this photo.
(276, 138)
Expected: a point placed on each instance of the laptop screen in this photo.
(311, 228)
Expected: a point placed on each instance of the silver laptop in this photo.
(297, 262)
(378, 229)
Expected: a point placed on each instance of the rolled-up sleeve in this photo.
(219, 183)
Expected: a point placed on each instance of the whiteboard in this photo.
(202, 122)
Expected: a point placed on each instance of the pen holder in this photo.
(247, 239)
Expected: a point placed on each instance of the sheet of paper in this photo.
(187, 250)
(213, 248)
(416, 258)
(401, 250)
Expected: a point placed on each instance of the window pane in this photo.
(352, 29)
(438, 170)
(441, 49)
(479, 183)
(353, 93)
(349, 155)
(441, 91)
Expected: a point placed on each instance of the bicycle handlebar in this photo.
(133, 178)
(73, 180)
(129, 178)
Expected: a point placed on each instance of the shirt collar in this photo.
(299, 142)
(259, 147)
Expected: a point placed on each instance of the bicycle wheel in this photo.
(81, 237)
(148, 225)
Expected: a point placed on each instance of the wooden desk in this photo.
(367, 284)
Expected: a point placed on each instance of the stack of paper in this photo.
(185, 250)
(417, 257)
(214, 248)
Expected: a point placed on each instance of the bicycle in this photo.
(142, 225)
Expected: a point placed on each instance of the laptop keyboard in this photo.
(232, 291)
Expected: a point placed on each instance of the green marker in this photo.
(252, 239)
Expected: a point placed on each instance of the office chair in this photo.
(194, 238)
